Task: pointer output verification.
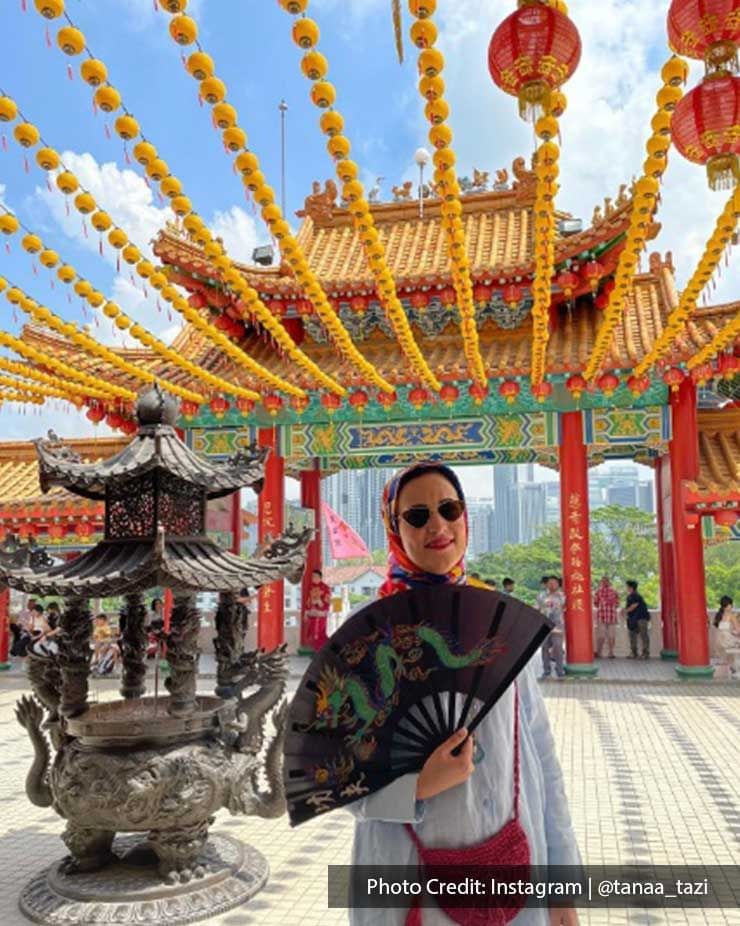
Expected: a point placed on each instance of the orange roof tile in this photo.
(719, 455)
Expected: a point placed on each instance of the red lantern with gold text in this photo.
(512, 295)
(608, 383)
(478, 393)
(219, 406)
(482, 295)
(96, 413)
(509, 390)
(592, 273)
(673, 377)
(576, 385)
(359, 304)
(358, 400)
(708, 30)
(542, 390)
(245, 406)
(706, 128)
(702, 374)
(299, 403)
(568, 282)
(638, 385)
(387, 400)
(273, 404)
(83, 529)
(449, 394)
(533, 52)
(331, 401)
(189, 410)
(418, 397)
(114, 420)
(447, 296)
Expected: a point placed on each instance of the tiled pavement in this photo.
(651, 768)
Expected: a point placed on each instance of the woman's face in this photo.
(439, 545)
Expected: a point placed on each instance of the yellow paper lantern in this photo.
(431, 62)
(170, 187)
(158, 280)
(247, 163)
(67, 182)
(118, 238)
(200, 65)
(85, 203)
(49, 258)
(101, 221)
(107, 98)
(173, 6)
(323, 94)
(192, 223)
(93, 72)
(144, 153)
(224, 115)
(235, 138)
(294, 6)
(181, 205)
(47, 159)
(26, 134)
(96, 299)
(314, 65)
(184, 30)
(71, 40)
(66, 273)
(338, 147)
(31, 243)
(9, 224)
(144, 269)
(157, 169)
(83, 288)
(331, 123)
(50, 9)
(305, 33)
(8, 109)
(213, 90)
(131, 254)
(126, 127)
(423, 33)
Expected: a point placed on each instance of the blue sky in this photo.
(611, 100)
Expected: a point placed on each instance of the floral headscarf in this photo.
(403, 574)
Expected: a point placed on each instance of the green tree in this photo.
(722, 570)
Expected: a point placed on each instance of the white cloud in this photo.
(142, 14)
(238, 231)
(25, 422)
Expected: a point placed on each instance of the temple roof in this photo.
(718, 484)
(195, 564)
(157, 446)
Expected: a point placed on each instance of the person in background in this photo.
(105, 649)
(638, 621)
(728, 632)
(492, 583)
(319, 600)
(19, 630)
(606, 603)
(542, 594)
(508, 586)
(553, 646)
(725, 611)
(156, 615)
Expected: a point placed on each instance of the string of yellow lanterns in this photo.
(715, 248)
(719, 342)
(431, 87)
(645, 196)
(68, 372)
(48, 159)
(75, 393)
(95, 73)
(36, 389)
(323, 94)
(21, 397)
(200, 65)
(33, 244)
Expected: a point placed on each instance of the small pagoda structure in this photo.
(159, 766)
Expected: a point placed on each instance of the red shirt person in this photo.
(606, 602)
(317, 610)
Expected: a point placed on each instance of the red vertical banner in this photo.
(665, 559)
(271, 611)
(310, 498)
(4, 628)
(576, 547)
(688, 547)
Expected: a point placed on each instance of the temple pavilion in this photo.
(385, 414)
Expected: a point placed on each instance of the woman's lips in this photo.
(440, 543)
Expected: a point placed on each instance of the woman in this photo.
(728, 632)
(453, 803)
(319, 600)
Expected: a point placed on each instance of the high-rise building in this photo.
(481, 521)
(532, 498)
(506, 502)
(356, 495)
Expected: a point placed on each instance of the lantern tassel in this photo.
(106, 129)
(4, 142)
(48, 38)
(24, 6)
(70, 72)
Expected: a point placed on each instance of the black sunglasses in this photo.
(418, 515)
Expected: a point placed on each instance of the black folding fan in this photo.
(380, 696)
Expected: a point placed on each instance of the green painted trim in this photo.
(669, 655)
(581, 669)
(694, 672)
(306, 651)
(4, 666)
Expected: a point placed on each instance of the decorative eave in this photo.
(716, 491)
(195, 564)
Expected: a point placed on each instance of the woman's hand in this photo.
(563, 916)
(442, 770)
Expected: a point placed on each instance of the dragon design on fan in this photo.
(345, 700)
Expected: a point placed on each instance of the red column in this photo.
(310, 498)
(271, 618)
(167, 605)
(665, 559)
(236, 523)
(575, 546)
(688, 549)
(4, 629)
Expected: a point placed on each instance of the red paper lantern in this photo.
(608, 383)
(114, 420)
(418, 397)
(420, 301)
(576, 385)
(219, 406)
(449, 394)
(478, 393)
(706, 128)
(601, 301)
(83, 529)
(482, 294)
(702, 374)
(568, 282)
(189, 410)
(728, 365)
(533, 52)
(447, 296)
(129, 426)
(708, 30)
(244, 405)
(359, 400)
(637, 385)
(512, 295)
(542, 390)
(593, 271)
(197, 301)
(727, 518)
(387, 400)
(331, 401)
(673, 377)
(273, 404)
(299, 403)
(96, 413)
(509, 390)
(278, 308)
(359, 304)
(304, 307)
(223, 322)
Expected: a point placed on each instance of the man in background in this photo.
(606, 602)
(638, 621)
